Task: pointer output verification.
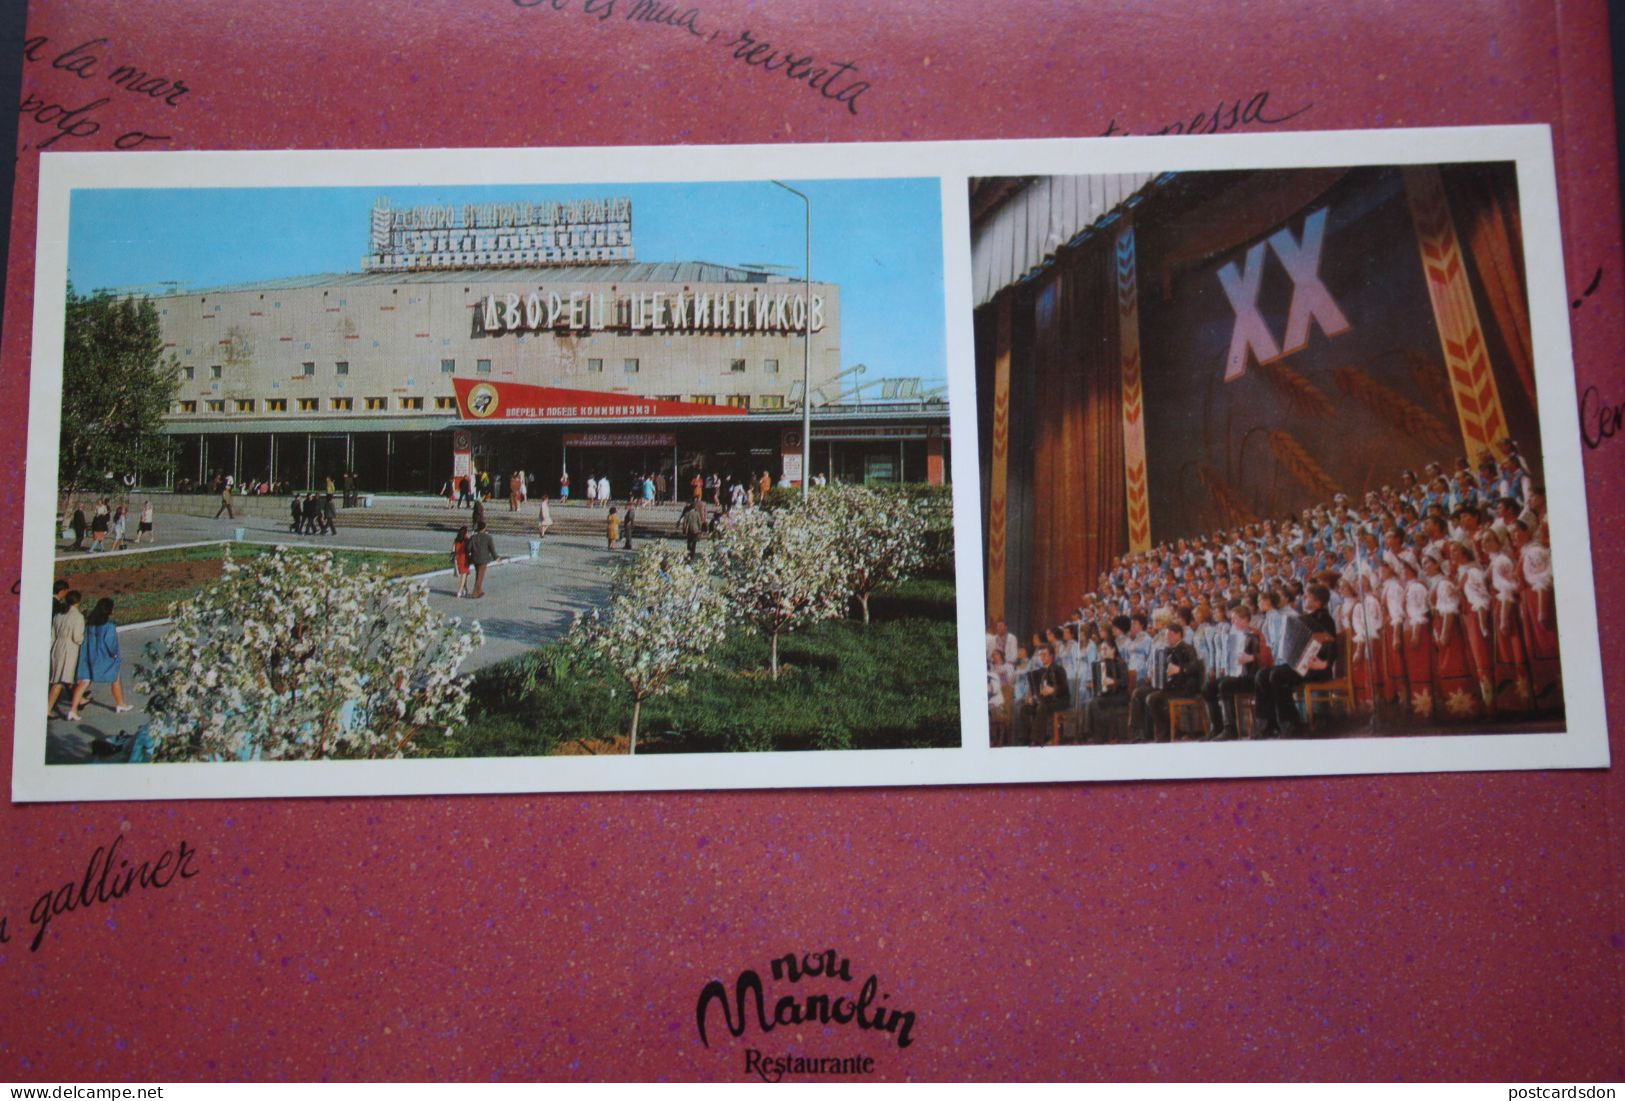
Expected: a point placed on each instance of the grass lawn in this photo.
(143, 586)
(893, 684)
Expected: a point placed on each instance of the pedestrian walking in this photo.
(329, 514)
(603, 490)
(544, 519)
(627, 525)
(78, 525)
(459, 559)
(144, 528)
(564, 489)
(592, 492)
(482, 551)
(465, 492)
(297, 509)
(225, 502)
(121, 516)
(691, 525)
(98, 526)
(99, 659)
(612, 526)
(67, 635)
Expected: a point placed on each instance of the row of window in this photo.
(443, 403)
(483, 366)
(314, 405)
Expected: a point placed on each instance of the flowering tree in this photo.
(663, 618)
(879, 539)
(783, 569)
(290, 657)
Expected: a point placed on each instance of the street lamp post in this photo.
(806, 352)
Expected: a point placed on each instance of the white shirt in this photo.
(1005, 643)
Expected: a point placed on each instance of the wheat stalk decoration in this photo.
(1301, 465)
(1234, 509)
(1302, 396)
(1407, 416)
(1428, 376)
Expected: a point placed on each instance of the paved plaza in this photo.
(527, 601)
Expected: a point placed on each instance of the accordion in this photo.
(1236, 644)
(1159, 667)
(1298, 645)
(1102, 671)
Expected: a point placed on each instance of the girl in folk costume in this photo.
(1392, 594)
(1362, 618)
(1454, 683)
(1477, 622)
(1418, 640)
(1539, 617)
(1512, 691)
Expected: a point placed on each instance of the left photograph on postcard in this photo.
(491, 471)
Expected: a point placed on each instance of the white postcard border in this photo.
(1584, 743)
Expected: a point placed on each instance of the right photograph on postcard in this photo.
(1261, 457)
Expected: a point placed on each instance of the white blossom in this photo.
(290, 656)
(782, 569)
(880, 540)
(662, 619)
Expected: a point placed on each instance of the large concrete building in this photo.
(524, 336)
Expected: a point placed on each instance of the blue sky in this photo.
(880, 240)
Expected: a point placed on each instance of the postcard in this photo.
(614, 469)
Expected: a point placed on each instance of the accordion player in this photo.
(1299, 647)
(1307, 653)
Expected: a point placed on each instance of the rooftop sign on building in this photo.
(498, 235)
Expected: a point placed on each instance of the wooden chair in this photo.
(1178, 708)
(1339, 689)
(1249, 700)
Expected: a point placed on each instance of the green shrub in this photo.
(889, 685)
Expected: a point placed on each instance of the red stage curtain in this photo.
(1080, 518)
(1484, 199)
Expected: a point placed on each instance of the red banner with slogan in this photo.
(510, 401)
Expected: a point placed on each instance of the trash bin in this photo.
(535, 548)
(239, 534)
(366, 502)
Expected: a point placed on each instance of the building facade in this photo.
(653, 366)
